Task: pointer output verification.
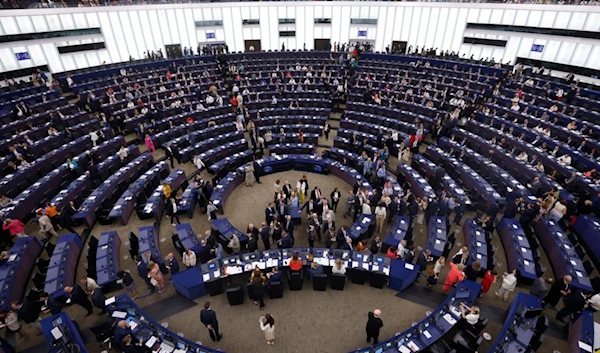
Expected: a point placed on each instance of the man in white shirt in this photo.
(565, 159)
(472, 317)
(594, 302)
(87, 282)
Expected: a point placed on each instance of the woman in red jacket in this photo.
(454, 276)
(14, 227)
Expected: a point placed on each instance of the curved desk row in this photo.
(208, 277)
(565, 259)
(429, 170)
(284, 112)
(41, 190)
(16, 271)
(265, 119)
(108, 254)
(211, 137)
(520, 325)
(469, 178)
(437, 230)
(125, 206)
(148, 242)
(104, 193)
(588, 229)
(63, 264)
(480, 249)
(519, 254)
(431, 329)
(508, 186)
(523, 171)
(62, 325)
(157, 203)
(291, 148)
(419, 185)
(11, 184)
(79, 188)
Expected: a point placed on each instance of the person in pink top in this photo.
(149, 144)
(14, 227)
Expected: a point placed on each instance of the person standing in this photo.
(380, 216)
(209, 318)
(374, 324)
(488, 279)
(560, 289)
(267, 325)
(509, 283)
(172, 211)
(335, 199)
(541, 286)
(79, 297)
(258, 280)
(326, 130)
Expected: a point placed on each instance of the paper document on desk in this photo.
(586, 347)
(354, 264)
(179, 351)
(119, 314)
(151, 341)
(133, 325)
(206, 277)
(12, 257)
(365, 265)
(272, 262)
(413, 346)
(409, 266)
(451, 320)
(110, 301)
(375, 268)
(403, 349)
(427, 334)
(386, 271)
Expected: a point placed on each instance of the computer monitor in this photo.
(379, 350)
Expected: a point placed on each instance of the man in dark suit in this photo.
(574, 303)
(270, 213)
(286, 240)
(460, 210)
(340, 238)
(423, 259)
(65, 218)
(209, 318)
(560, 289)
(287, 189)
(172, 263)
(170, 154)
(393, 209)
(79, 297)
(432, 209)
(29, 311)
(311, 206)
(375, 245)
(142, 268)
(288, 226)
(204, 254)
(274, 275)
(265, 235)
(512, 208)
(374, 324)
(282, 210)
(409, 257)
(50, 304)
(257, 169)
(98, 299)
(315, 194)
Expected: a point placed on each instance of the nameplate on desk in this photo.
(427, 334)
(358, 228)
(526, 262)
(579, 274)
(403, 349)
(586, 347)
(402, 221)
(151, 341)
(409, 266)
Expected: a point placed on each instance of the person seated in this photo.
(392, 253)
(339, 267)
(274, 275)
(470, 314)
(295, 263)
(314, 269)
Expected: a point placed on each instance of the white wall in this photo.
(132, 30)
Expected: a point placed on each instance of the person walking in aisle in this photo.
(509, 283)
(374, 324)
(172, 211)
(209, 318)
(267, 325)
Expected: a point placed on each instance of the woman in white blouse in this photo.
(380, 215)
(339, 267)
(523, 156)
(267, 325)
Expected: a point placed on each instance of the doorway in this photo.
(173, 51)
(252, 43)
(399, 47)
(323, 44)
